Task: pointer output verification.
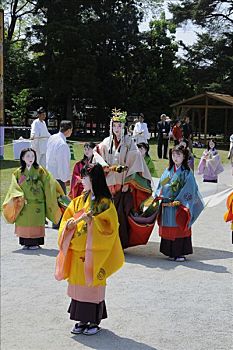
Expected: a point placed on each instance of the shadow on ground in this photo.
(106, 340)
(150, 256)
(42, 251)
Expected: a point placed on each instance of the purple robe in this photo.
(210, 166)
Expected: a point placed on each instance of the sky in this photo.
(186, 33)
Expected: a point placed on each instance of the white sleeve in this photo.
(135, 130)
(64, 163)
(147, 135)
(34, 129)
(48, 133)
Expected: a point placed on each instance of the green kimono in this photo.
(150, 166)
(31, 198)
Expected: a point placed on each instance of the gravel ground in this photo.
(152, 303)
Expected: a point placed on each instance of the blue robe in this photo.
(180, 185)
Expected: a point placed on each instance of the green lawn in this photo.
(8, 165)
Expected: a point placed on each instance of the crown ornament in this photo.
(118, 116)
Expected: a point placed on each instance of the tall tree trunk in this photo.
(13, 20)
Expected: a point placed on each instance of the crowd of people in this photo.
(173, 130)
(110, 202)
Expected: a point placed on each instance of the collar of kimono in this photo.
(176, 168)
(117, 142)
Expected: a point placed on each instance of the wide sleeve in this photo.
(108, 255)
(107, 221)
(191, 202)
(151, 167)
(64, 257)
(215, 164)
(202, 164)
(52, 191)
(98, 159)
(102, 149)
(69, 213)
(14, 201)
(162, 181)
(228, 216)
(135, 163)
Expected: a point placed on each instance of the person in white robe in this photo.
(39, 136)
(140, 132)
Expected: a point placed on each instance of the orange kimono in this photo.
(228, 216)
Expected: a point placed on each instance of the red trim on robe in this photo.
(182, 219)
(172, 233)
(76, 187)
(138, 197)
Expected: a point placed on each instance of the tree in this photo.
(205, 13)
(82, 47)
(209, 62)
(19, 108)
(92, 54)
(155, 79)
(18, 12)
(20, 74)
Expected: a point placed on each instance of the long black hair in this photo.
(98, 180)
(115, 139)
(90, 145)
(208, 144)
(181, 149)
(23, 163)
(145, 146)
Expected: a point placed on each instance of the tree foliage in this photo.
(209, 61)
(19, 108)
(68, 53)
(203, 12)
(17, 13)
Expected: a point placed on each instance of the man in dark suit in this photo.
(163, 129)
(188, 132)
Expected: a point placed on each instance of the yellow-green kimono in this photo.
(31, 198)
(151, 166)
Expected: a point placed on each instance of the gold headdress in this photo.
(118, 116)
